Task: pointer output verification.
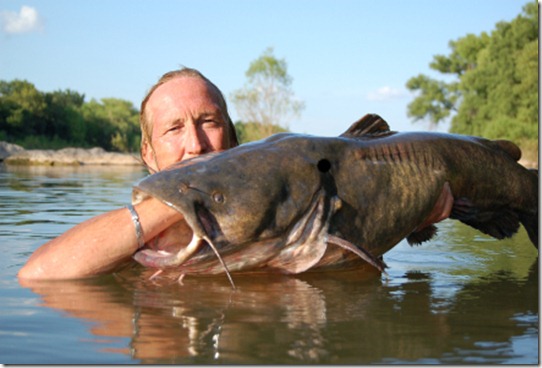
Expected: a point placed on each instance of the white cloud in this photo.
(26, 20)
(385, 93)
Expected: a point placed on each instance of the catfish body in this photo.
(286, 202)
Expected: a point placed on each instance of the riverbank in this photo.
(16, 155)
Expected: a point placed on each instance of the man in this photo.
(184, 115)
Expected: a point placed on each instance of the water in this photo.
(461, 299)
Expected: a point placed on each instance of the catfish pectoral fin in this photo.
(362, 253)
(298, 258)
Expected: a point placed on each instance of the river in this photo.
(463, 298)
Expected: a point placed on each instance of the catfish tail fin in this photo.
(499, 223)
(530, 222)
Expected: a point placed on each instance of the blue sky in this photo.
(346, 57)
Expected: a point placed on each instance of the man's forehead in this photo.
(185, 87)
(181, 95)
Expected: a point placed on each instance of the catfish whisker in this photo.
(221, 261)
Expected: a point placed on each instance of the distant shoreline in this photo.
(12, 154)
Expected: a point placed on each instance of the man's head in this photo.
(183, 115)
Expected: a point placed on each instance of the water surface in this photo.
(463, 298)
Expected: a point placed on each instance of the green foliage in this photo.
(22, 107)
(248, 132)
(62, 118)
(53, 120)
(267, 97)
(113, 124)
(494, 86)
(43, 142)
(436, 102)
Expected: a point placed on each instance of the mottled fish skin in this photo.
(375, 187)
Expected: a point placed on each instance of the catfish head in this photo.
(265, 204)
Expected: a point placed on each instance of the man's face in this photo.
(186, 122)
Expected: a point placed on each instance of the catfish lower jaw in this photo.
(200, 220)
(168, 249)
(163, 259)
(159, 254)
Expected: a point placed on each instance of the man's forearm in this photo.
(99, 244)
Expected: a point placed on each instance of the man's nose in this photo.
(195, 142)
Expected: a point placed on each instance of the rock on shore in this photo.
(17, 155)
(8, 149)
(13, 154)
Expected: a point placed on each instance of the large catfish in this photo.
(294, 202)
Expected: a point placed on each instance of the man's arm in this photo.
(99, 244)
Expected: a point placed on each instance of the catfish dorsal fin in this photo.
(369, 126)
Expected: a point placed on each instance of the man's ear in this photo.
(232, 135)
(147, 154)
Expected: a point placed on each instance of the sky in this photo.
(346, 57)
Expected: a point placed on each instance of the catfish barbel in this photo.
(293, 202)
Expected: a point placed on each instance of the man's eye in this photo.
(211, 123)
(174, 128)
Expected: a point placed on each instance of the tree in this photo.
(22, 108)
(124, 118)
(436, 101)
(58, 119)
(112, 124)
(63, 118)
(267, 98)
(248, 132)
(494, 86)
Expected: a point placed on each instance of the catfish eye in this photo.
(218, 197)
(324, 165)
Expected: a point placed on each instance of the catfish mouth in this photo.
(203, 226)
(207, 221)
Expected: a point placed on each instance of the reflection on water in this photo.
(463, 299)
